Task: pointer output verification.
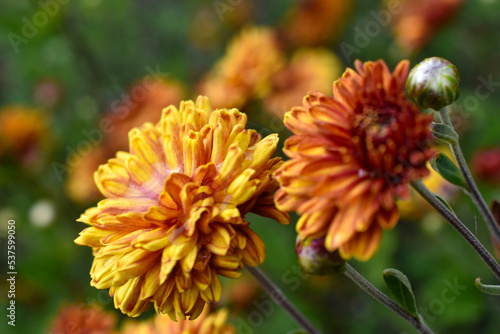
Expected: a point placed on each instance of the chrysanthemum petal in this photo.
(220, 240)
(254, 252)
(92, 236)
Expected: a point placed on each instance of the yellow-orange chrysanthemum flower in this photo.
(206, 323)
(244, 72)
(351, 156)
(174, 217)
(79, 319)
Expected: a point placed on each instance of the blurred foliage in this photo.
(91, 51)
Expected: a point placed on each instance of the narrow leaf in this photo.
(489, 289)
(442, 200)
(400, 288)
(444, 132)
(448, 170)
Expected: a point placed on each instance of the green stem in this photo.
(357, 278)
(280, 299)
(457, 225)
(475, 195)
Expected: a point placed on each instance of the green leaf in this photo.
(448, 170)
(442, 200)
(489, 289)
(445, 133)
(297, 331)
(400, 288)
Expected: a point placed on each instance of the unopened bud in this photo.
(315, 259)
(433, 83)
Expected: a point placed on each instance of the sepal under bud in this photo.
(444, 132)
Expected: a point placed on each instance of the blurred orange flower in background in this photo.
(315, 22)
(24, 133)
(309, 69)
(241, 292)
(416, 21)
(174, 215)
(147, 107)
(206, 323)
(244, 72)
(351, 156)
(83, 320)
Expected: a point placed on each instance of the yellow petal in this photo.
(118, 206)
(145, 145)
(232, 163)
(214, 290)
(243, 188)
(220, 240)
(126, 298)
(92, 236)
(151, 282)
(152, 240)
(255, 251)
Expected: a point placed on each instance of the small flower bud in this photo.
(315, 259)
(433, 83)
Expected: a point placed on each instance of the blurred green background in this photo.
(89, 52)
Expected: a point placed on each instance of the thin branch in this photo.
(457, 225)
(475, 195)
(280, 299)
(357, 278)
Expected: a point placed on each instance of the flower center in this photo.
(373, 124)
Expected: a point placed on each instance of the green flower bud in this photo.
(433, 83)
(315, 259)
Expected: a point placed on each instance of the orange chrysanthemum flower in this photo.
(206, 323)
(86, 320)
(251, 59)
(351, 156)
(174, 217)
